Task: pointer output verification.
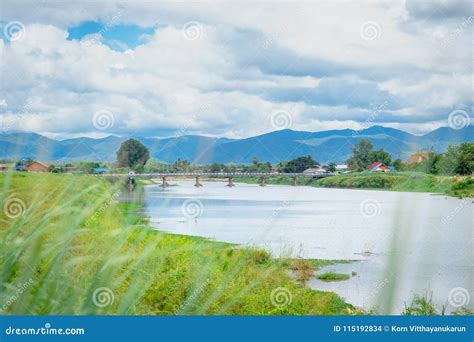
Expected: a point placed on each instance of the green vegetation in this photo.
(363, 156)
(68, 247)
(299, 164)
(422, 305)
(393, 181)
(132, 154)
(332, 276)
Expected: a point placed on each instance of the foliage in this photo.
(132, 153)
(73, 239)
(330, 276)
(331, 167)
(300, 164)
(363, 156)
(457, 160)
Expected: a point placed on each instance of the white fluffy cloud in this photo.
(329, 65)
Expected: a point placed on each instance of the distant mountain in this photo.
(324, 146)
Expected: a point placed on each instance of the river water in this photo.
(404, 243)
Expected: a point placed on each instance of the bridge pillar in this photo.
(165, 183)
(262, 181)
(230, 183)
(293, 183)
(198, 184)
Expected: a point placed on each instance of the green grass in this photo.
(332, 276)
(393, 181)
(71, 249)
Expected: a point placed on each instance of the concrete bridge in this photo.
(228, 175)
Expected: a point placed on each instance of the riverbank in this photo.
(393, 181)
(73, 249)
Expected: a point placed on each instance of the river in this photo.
(404, 243)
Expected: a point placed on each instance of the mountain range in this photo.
(276, 146)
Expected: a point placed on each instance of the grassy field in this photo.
(393, 181)
(68, 248)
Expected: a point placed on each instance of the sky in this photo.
(233, 69)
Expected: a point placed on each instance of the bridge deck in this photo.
(217, 174)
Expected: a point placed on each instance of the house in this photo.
(312, 170)
(5, 167)
(99, 170)
(21, 167)
(378, 167)
(418, 157)
(38, 166)
(342, 167)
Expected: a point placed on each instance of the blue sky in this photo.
(117, 37)
(228, 69)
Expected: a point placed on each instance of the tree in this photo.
(379, 156)
(465, 164)
(449, 162)
(432, 163)
(133, 154)
(360, 155)
(331, 167)
(300, 164)
(398, 164)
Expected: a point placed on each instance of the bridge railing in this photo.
(217, 174)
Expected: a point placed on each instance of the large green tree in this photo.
(465, 164)
(300, 164)
(363, 156)
(133, 154)
(360, 155)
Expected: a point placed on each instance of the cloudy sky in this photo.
(232, 69)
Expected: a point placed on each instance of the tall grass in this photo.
(68, 247)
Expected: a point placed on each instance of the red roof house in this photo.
(378, 167)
